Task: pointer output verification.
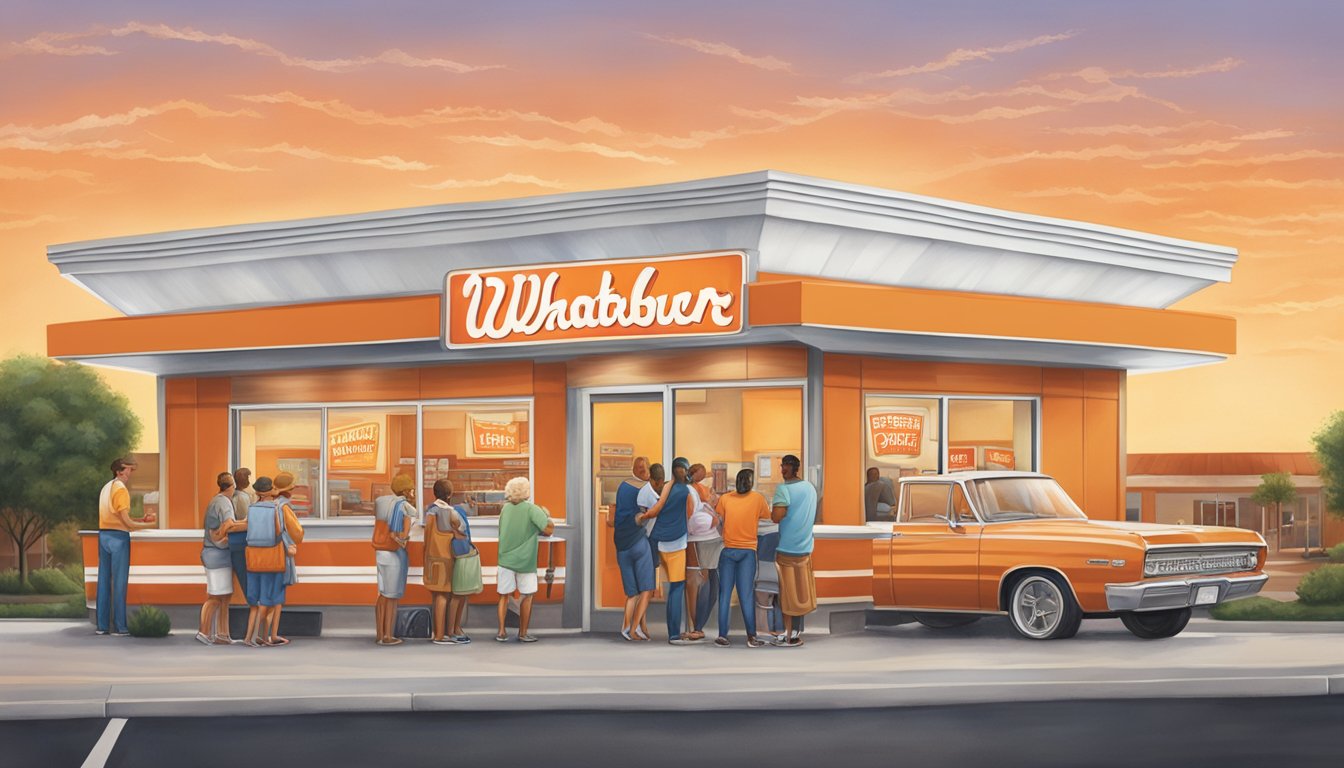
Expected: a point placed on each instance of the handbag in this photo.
(467, 574)
(462, 547)
(384, 539)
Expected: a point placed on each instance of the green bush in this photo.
(1267, 609)
(10, 584)
(148, 621)
(51, 581)
(64, 545)
(73, 608)
(75, 573)
(1323, 586)
(1337, 553)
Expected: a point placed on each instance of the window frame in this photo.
(521, 402)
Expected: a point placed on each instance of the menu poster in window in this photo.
(494, 435)
(895, 431)
(435, 468)
(960, 459)
(355, 448)
(1000, 458)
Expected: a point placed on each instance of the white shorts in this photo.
(506, 581)
(218, 581)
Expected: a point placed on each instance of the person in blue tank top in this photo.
(669, 533)
(632, 554)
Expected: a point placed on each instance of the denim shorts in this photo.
(636, 569)
(265, 589)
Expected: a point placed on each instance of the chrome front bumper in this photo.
(1179, 593)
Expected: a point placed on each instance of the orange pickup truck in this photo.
(993, 543)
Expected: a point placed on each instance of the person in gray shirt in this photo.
(219, 522)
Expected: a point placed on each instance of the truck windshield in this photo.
(1024, 498)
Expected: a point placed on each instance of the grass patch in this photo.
(53, 581)
(70, 609)
(1266, 609)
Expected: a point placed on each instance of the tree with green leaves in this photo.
(1329, 444)
(1275, 489)
(60, 428)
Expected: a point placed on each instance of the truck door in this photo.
(935, 565)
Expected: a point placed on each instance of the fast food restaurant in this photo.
(730, 320)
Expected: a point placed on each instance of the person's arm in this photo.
(455, 522)
(121, 504)
(542, 521)
(292, 524)
(690, 505)
(780, 504)
(662, 499)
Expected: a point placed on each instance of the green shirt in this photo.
(519, 525)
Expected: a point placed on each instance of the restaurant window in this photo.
(728, 429)
(900, 439)
(290, 440)
(990, 435)
(478, 448)
(366, 449)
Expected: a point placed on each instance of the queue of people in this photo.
(734, 543)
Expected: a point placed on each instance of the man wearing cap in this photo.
(114, 547)
(795, 509)
(393, 516)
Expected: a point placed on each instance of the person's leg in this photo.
(709, 597)
(676, 598)
(694, 578)
(524, 615)
(438, 614)
(103, 600)
(121, 575)
(459, 610)
(390, 619)
(253, 616)
(728, 566)
(503, 611)
(208, 611)
(275, 623)
(628, 615)
(639, 625)
(222, 617)
(745, 578)
(378, 610)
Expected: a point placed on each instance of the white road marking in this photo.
(98, 757)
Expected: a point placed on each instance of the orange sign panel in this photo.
(895, 433)
(1000, 458)
(693, 295)
(495, 437)
(355, 447)
(960, 459)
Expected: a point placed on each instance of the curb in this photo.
(834, 696)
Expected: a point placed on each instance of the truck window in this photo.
(923, 502)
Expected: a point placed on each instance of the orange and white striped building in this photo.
(730, 320)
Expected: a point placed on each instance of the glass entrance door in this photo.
(623, 428)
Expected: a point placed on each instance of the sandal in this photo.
(222, 640)
(640, 633)
(625, 633)
(722, 642)
(277, 640)
(695, 635)
(501, 638)
(393, 641)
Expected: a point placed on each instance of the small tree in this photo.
(1329, 443)
(60, 428)
(1276, 489)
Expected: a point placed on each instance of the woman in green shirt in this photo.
(520, 523)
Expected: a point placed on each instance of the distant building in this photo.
(1216, 488)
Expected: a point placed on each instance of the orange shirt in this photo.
(113, 499)
(740, 512)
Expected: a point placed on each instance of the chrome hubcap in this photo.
(1037, 606)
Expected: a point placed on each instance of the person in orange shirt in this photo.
(737, 563)
(114, 548)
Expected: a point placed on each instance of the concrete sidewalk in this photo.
(61, 670)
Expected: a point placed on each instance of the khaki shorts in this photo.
(797, 587)
(675, 564)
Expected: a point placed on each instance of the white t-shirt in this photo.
(647, 498)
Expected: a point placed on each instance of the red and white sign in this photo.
(354, 448)
(960, 459)
(692, 295)
(895, 433)
(1000, 458)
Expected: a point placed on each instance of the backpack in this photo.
(265, 551)
(384, 538)
(412, 622)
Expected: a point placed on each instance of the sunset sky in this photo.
(1221, 122)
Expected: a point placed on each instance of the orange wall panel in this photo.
(180, 442)
(776, 362)
(334, 385)
(1101, 459)
(550, 466)
(504, 379)
(1062, 443)
(842, 443)
(212, 442)
(659, 368)
(1101, 384)
(1063, 382)
(919, 377)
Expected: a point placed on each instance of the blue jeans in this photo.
(737, 570)
(676, 602)
(238, 554)
(705, 596)
(114, 570)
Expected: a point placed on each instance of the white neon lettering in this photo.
(532, 306)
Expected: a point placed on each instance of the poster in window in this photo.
(960, 459)
(896, 432)
(1000, 458)
(495, 435)
(355, 448)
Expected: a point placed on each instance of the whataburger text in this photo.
(571, 302)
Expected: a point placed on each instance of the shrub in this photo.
(10, 584)
(73, 608)
(1267, 609)
(1323, 586)
(148, 621)
(64, 545)
(1337, 553)
(75, 573)
(50, 581)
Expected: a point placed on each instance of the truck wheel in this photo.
(946, 620)
(1042, 607)
(1155, 625)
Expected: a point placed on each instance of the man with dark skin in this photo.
(795, 509)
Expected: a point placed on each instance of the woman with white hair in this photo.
(520, 522)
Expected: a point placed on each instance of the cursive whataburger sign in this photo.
(692, 295)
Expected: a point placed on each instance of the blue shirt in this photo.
(628, 532)
(671, 518)
(795, 530)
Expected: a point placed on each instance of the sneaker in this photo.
(678, 641)
(501, 638)
(639, 632)
(100, 632)
(793, 642)
(527, 639)
(753, 642)
(204, 639)
(444, 641)
(121, 634)
(461, 639)
(722, 642)
(625, 633)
